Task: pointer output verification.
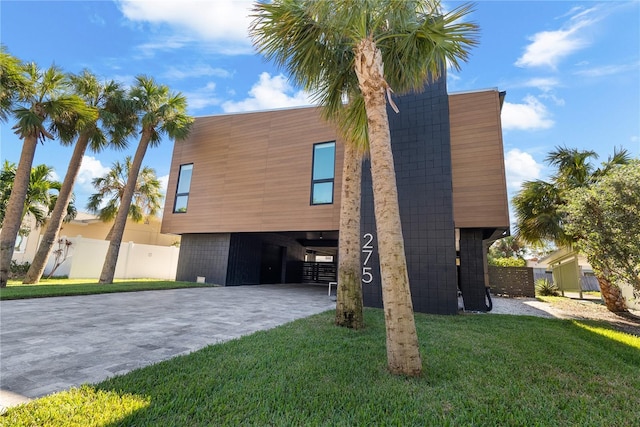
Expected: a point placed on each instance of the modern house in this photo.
(255, 195)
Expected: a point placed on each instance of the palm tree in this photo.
(111, 127)
(330, 46)
(13, 82)
(43, 101)
(349, 303)
(160, 112)
(572, 166)
(110, 191)
(39, 198)
(539, 218)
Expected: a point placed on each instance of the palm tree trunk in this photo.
(403, 353)
(612, 296)
(110, 261)
(57, 216)
(110, 233)
(15, 207)
(349, 293)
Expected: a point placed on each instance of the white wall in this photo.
(86, 257)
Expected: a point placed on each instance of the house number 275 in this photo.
(367, 250)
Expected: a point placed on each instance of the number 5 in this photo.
(367, 277)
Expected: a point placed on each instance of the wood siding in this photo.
(252, 171)
(477, 161)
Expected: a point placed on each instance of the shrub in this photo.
(508, 262)
(17, 270)
(546, 288)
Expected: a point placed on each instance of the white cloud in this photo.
(545, 84)
(520, 166)
(164, 181)
(548, 48)
(163, 44)
(89, 169)
(97, 20)
(53, 176)
(531, 115)
(224, 23)
(609, 70)
(202, 97)
(269, 93)
(191, 71)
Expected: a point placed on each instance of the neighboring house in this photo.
(253, 194)
(89, 226)
(572, 273)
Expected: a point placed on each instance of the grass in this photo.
(480, 370)
(67, 287)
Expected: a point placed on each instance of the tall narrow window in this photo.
(182, 192)
(324, 156)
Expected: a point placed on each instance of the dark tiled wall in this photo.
(204, 255)
(245, 253)
(472, 269)
(244, 259)
(422, 155)
(234, 259)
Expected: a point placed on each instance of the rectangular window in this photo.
(182, 192)
(324, 157)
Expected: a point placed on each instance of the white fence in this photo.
(86, 257)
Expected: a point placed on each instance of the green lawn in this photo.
(66, 287)
(481, 370)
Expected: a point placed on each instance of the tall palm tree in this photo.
(112, 126)
(539, 217)
(43, 111)
(160, 112)
(330, 46)
(111, 188)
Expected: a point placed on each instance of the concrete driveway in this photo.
(51, 344)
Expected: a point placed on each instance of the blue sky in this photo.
(571, 70)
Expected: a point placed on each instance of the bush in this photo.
(545, 288)
(508, 262)
(18, 271)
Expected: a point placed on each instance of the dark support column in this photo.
(420, 141)
(473, 266)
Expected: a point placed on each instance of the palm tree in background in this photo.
(42, 108)
(337, 49)
(40, 198)
(160, 113)
(540, 220)
(111, 188)
(112, 126)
